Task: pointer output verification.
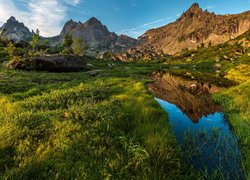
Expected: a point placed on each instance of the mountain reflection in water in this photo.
(209, 145)
(193, 98)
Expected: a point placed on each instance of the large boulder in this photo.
(52, 63)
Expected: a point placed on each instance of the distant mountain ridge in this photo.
(92, 32)
(97, 36)
(193, 28)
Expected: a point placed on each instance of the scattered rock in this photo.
(226, 57)
(217, 71)
(217, 59)
(90, 65)
(217, 66)
(94, 72)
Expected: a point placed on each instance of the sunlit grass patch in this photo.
(240, 74)
(87, 128)
(236, 102)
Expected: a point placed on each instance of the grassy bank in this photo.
(236, 102)
(79, 126)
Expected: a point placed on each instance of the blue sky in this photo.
(130, 17)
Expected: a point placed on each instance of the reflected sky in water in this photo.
(207, 145)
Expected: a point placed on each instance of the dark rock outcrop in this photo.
(55, 63)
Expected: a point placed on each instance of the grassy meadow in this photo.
(85, 126)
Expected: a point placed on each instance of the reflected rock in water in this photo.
(192, 97)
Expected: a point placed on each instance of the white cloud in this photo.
(154, 22)
(72, 2)
(46, 15)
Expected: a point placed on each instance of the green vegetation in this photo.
(68, 41)
(80, 126)
(236, 102)
(78, 47)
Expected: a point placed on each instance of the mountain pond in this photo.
(200, 127)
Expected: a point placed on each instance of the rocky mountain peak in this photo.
(15, 31)
(194, 28)
(194, 7)
(93, 22)
(97, 36)
(68, 26)
(12, 19)
(193, 11)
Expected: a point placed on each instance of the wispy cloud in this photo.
(139, 30)
(179, 14)
(210, 7)
(73, 2)
(46, 15)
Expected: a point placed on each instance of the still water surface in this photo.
(209, 144)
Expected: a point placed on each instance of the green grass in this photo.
(236, 103)
(78, 126)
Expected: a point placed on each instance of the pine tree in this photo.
(78, 47)
(68, 41)
(36, 40)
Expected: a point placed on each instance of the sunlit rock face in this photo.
(15, 31)
(191, 97)
(194, 27)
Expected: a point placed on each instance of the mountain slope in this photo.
(15, 30)
(193, 28)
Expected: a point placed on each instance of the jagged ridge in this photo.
(15, 30)
(194, 27)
